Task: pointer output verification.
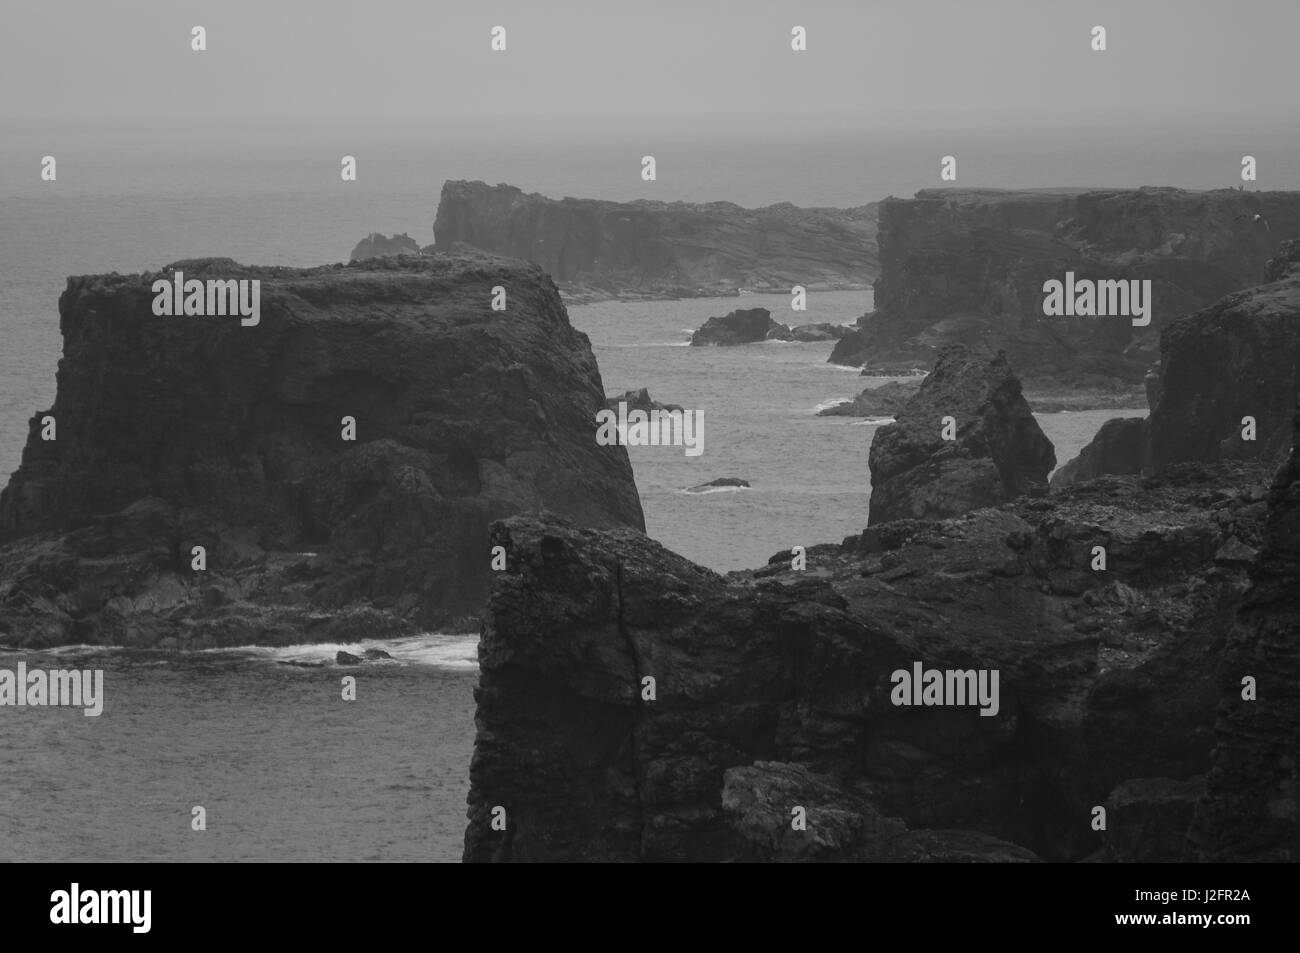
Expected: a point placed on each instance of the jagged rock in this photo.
(999, 452)
(1147, 818)
(820, 332)
(968, 266)
(373, 655)
(884, 400)
(598, 249)
(747, 326)
(1118, 448)
(1251, 808)
(1238, 358)
(176, 432)
(719, 482)
(638, 400)
(376, 245)
(1104, 677)
(347, 658)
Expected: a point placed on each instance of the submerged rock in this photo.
(720, 482)
(638, 400)
(998, 452)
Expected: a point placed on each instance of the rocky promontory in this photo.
(376, 245)
(967, 439)
(327, 473)
(968, 266)
(635, 706)
(651, 249)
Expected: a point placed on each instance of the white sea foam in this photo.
(434, 649)
(833, 402)
(873, 421)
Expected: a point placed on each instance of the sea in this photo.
(259, 737)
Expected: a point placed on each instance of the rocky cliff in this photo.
(1225, 386)
(635, 706)
(966, 440)
(960, 265)
(1251, 807)
(171, 433)
(646, 248)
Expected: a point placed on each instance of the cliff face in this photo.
(1224, 389)
(969, 266)
(996, 453)
(176, 432)
(1251, 809)
(773, 690)
(662, 249)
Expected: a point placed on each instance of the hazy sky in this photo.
(971, 60)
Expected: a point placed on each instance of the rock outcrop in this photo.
(823, 331)
(884, 400)
(597, 249)
(1251, 808)
(376, 245)
(1225, 386)
(995, 453)
(1118, 448)
(968, 266)
(638, 400)
(721, 483)
(635, 706)
(182, 432)
(747, 326)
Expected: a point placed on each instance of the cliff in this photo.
(646, 248)
(968, 266)
(1251, 807)
(995, 452)
(773, 690)
(176, 432)
(1225, 386)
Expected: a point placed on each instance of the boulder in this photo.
(748, 326)
(999, 451)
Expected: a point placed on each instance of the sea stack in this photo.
(330, 472)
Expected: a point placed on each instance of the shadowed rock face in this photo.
(999, 452)
(663, 249)
(772, 688)
(968, 266)
(1251, 809)
(375, 245)
(1118, 448)
(1236, 359)
(174, 432)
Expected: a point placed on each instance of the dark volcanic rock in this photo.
(823, 331)
(968, 266)
(1251, 809)
(663, 249)
(176, 432)
(1118, 448)
(885, 400)
(999, 452)
(772, 689)
(719, 482)
(747, 326)
(1237, 358)
(375, 245)
(638, 400)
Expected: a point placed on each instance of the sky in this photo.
(904, 62)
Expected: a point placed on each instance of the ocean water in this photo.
(261, 738)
